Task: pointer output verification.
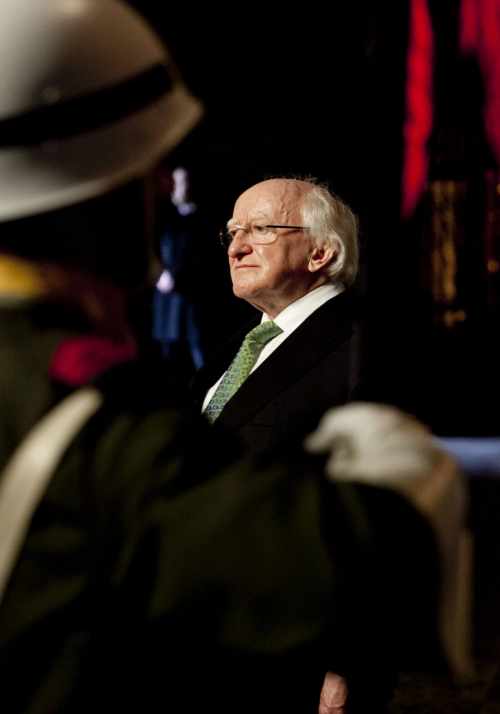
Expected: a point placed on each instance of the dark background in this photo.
(305, 93)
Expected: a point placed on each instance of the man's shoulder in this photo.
(143, 384)
(144, 408)
(142, 440)
(332, 324)
(343, 306)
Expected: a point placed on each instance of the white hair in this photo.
(332, 222)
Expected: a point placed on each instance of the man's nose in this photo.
(240, 245)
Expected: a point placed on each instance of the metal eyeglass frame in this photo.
(226, 238)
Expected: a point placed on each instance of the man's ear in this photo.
(321, 256)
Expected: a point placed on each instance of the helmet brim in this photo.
(71, 170)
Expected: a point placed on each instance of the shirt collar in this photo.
(299, 310)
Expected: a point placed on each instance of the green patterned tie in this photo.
(241, 366)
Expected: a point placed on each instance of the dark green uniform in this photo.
(150, 572)
(161, 575)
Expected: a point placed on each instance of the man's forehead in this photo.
(271, 198)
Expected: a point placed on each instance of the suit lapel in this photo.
(320, 334)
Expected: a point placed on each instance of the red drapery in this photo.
(418, 120)
(480, 37)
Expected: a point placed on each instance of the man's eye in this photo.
(260, 229)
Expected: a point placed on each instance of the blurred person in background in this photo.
(183, 283)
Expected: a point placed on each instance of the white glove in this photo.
(165, 282)
(385, 447)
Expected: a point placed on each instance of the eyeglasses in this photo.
(258, 233)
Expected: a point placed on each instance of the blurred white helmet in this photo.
(89, 99)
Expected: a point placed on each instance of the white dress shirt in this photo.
(288, 320)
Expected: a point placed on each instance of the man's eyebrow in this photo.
(260, 218)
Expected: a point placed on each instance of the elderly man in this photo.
(293, 252)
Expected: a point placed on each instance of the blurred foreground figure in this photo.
(140, 568)
(136, 573)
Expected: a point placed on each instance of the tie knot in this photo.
(263, 333)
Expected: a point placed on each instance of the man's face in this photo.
(271, 276)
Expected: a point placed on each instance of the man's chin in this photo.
(244, 292)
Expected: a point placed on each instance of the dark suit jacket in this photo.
(283, 400)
